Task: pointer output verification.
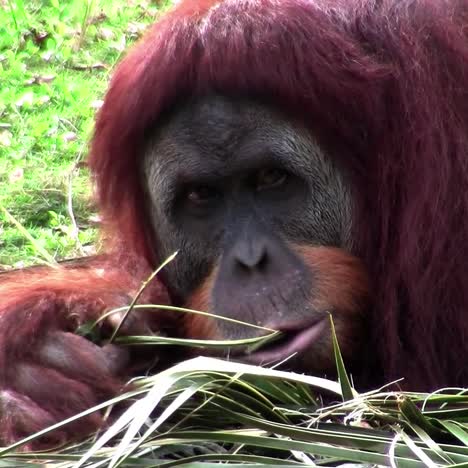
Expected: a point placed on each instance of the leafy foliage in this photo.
(55, 60)
(205, 411)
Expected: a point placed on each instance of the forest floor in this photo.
(56, 59)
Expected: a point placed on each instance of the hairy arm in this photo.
(47, 371)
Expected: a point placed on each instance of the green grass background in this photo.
(56, 58)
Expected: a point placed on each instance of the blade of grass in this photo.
(138, 295)
(346, 388)
(41, 251)
(458, 430)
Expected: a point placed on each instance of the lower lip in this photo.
(300, 343)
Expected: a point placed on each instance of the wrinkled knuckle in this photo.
(133, 323)
(77, 357)
(117, 358)
(10, 402)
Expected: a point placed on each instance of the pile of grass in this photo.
(207, 411)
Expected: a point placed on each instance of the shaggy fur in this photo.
(383, 86)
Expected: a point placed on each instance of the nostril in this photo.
(243, 268)
(252, 260)
(262, 262)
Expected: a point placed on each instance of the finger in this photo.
(117, 357)
(50, 388)
(134, 323)
(80, 359)
(21, 417)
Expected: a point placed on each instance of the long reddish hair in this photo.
(388, 81)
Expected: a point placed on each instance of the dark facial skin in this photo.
(235, 187)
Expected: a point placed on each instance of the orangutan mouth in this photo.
(294, 340)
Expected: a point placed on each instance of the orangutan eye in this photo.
(201, 195)
(270, 179)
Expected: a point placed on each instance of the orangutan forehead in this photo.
(218, 136)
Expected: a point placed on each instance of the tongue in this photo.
(293, 343)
